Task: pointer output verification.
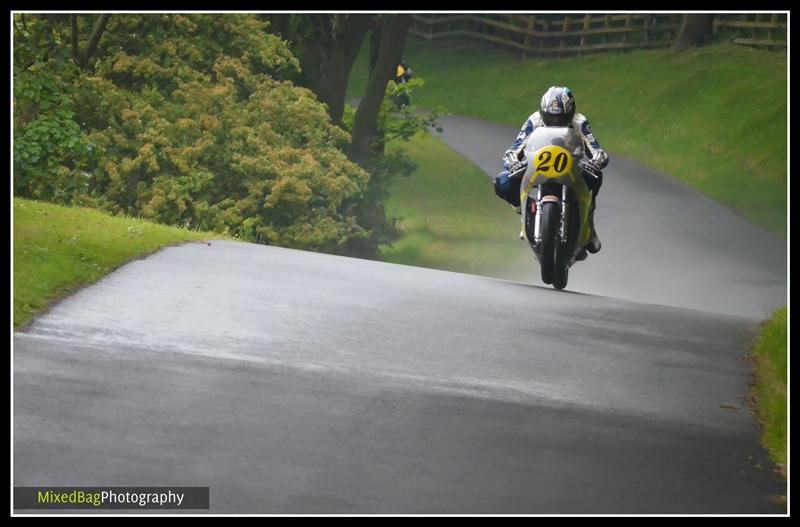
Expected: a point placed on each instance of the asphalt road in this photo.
(296, 382)
(663, 242)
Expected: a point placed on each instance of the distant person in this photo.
(404, 73)
(402, 76)
(557, 108)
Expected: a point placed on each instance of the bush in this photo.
(183, 119)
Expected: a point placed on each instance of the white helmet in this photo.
(557, 106)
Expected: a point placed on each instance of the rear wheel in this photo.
(549, 231)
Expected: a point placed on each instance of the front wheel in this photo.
(563, 252)
(561, 271)
(549, 232)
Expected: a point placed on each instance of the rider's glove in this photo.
(591, 166)
(592, 174)
(509, 160)
(517, 168)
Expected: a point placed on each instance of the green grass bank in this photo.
(769, 390)
(450, 217)
(714, 117)
(60, 249)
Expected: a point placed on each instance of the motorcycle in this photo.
(555, 201)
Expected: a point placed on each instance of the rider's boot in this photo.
(518, 210)
(593, 245)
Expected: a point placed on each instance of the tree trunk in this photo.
(311, 56)
(374, 44)
(76, 52)
(696, 30)
(338, 60)
(94, 39)
(82, 59)
(333, 88)
(280, 24)
(365, 127)
(329, 45)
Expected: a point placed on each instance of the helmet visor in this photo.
(558, 119)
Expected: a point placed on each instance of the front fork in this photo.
(562, 229)
(537, 219)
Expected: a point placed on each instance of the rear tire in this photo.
(549, 230)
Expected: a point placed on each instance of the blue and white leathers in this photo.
(579, 123)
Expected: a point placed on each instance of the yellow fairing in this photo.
(556, 162)
(549, 162)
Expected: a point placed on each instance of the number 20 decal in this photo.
(553, 161)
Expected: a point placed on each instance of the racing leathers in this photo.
(507, 187)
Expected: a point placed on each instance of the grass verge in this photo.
(769, 390)
(60, 249)
(450, 217)
(714, 117)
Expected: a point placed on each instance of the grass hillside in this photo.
(714, 117)
(59, 249)
(771, 366)
(451, 218)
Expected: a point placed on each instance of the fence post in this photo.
(627, 26)
(671, 33)
(742, 18)
(587, 23)
(564, 29)
(757, 31)
(546, 30)
(771, 32)
(531, 21)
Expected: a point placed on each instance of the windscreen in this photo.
(565, 137)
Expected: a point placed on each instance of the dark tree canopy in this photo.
(327, 46)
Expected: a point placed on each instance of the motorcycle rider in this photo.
(402, 76)
(557, 108)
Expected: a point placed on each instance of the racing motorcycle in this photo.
(555, 201)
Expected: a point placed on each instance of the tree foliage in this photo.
(184, 119)
(327, 46)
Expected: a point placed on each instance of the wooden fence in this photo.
(753, 29)
(565, 35)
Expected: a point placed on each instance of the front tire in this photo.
(549, 230)
(561, 271)
(564, 251)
